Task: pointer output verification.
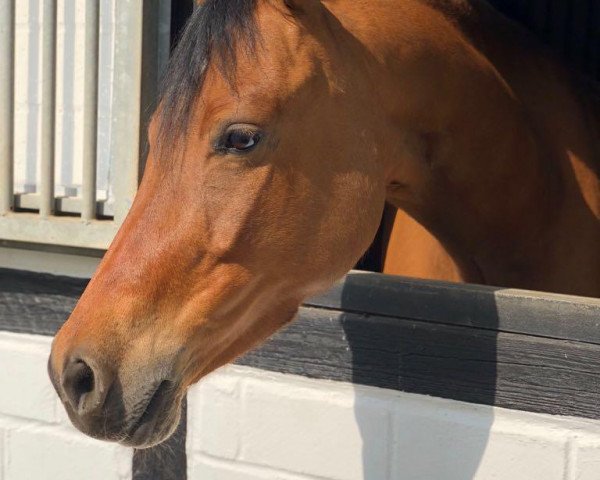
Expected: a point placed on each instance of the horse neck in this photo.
(563, 108)
(484, 160)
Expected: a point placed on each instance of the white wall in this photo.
(37, 441)
(247, 424)
(55, 263)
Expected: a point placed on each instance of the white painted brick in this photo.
(587, 459)
(215, 405)
(473, 446)
(26, 388)
(47, 453)
(61, 414)
(511, 456)
(289, 428)
(307, 430)
(203, 468)
(2, 434)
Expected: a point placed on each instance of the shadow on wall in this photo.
(409, 352)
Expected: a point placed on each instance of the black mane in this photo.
(212, 34)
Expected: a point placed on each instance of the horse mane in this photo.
(213, 33)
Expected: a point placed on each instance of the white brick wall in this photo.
(37, 442)
(587, 459)
(246, 424)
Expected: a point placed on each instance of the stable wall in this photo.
(248, 424)
(37, 441)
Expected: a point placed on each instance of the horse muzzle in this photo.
(108, 406)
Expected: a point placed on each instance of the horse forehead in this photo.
(285, 55)
(260, 87)
(285, 39)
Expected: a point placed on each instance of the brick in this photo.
(49, 453)
(512, 456)
(478, 446)
(61, 414)
(2, 434)
(26, 388)
(214, 416)
(202, 468)
(586, 459)
(310, 427)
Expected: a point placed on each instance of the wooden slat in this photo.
(35, 302)
(478, 366)
(507, 310)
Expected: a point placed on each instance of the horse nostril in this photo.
(79, 384)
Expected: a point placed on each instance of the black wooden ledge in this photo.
(508, 348)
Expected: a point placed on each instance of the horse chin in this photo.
(151, 430)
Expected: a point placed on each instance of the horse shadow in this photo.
(423, 436)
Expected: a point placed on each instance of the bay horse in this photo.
(283, 128)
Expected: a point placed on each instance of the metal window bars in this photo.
(140, 44)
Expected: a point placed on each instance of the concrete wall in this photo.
(247, 424)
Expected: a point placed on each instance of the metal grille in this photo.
(139, 47)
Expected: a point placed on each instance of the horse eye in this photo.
(240, 140)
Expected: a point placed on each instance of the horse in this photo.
(282, 130)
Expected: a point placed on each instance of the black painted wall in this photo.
(571, 27)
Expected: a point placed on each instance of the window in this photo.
(78, 84)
